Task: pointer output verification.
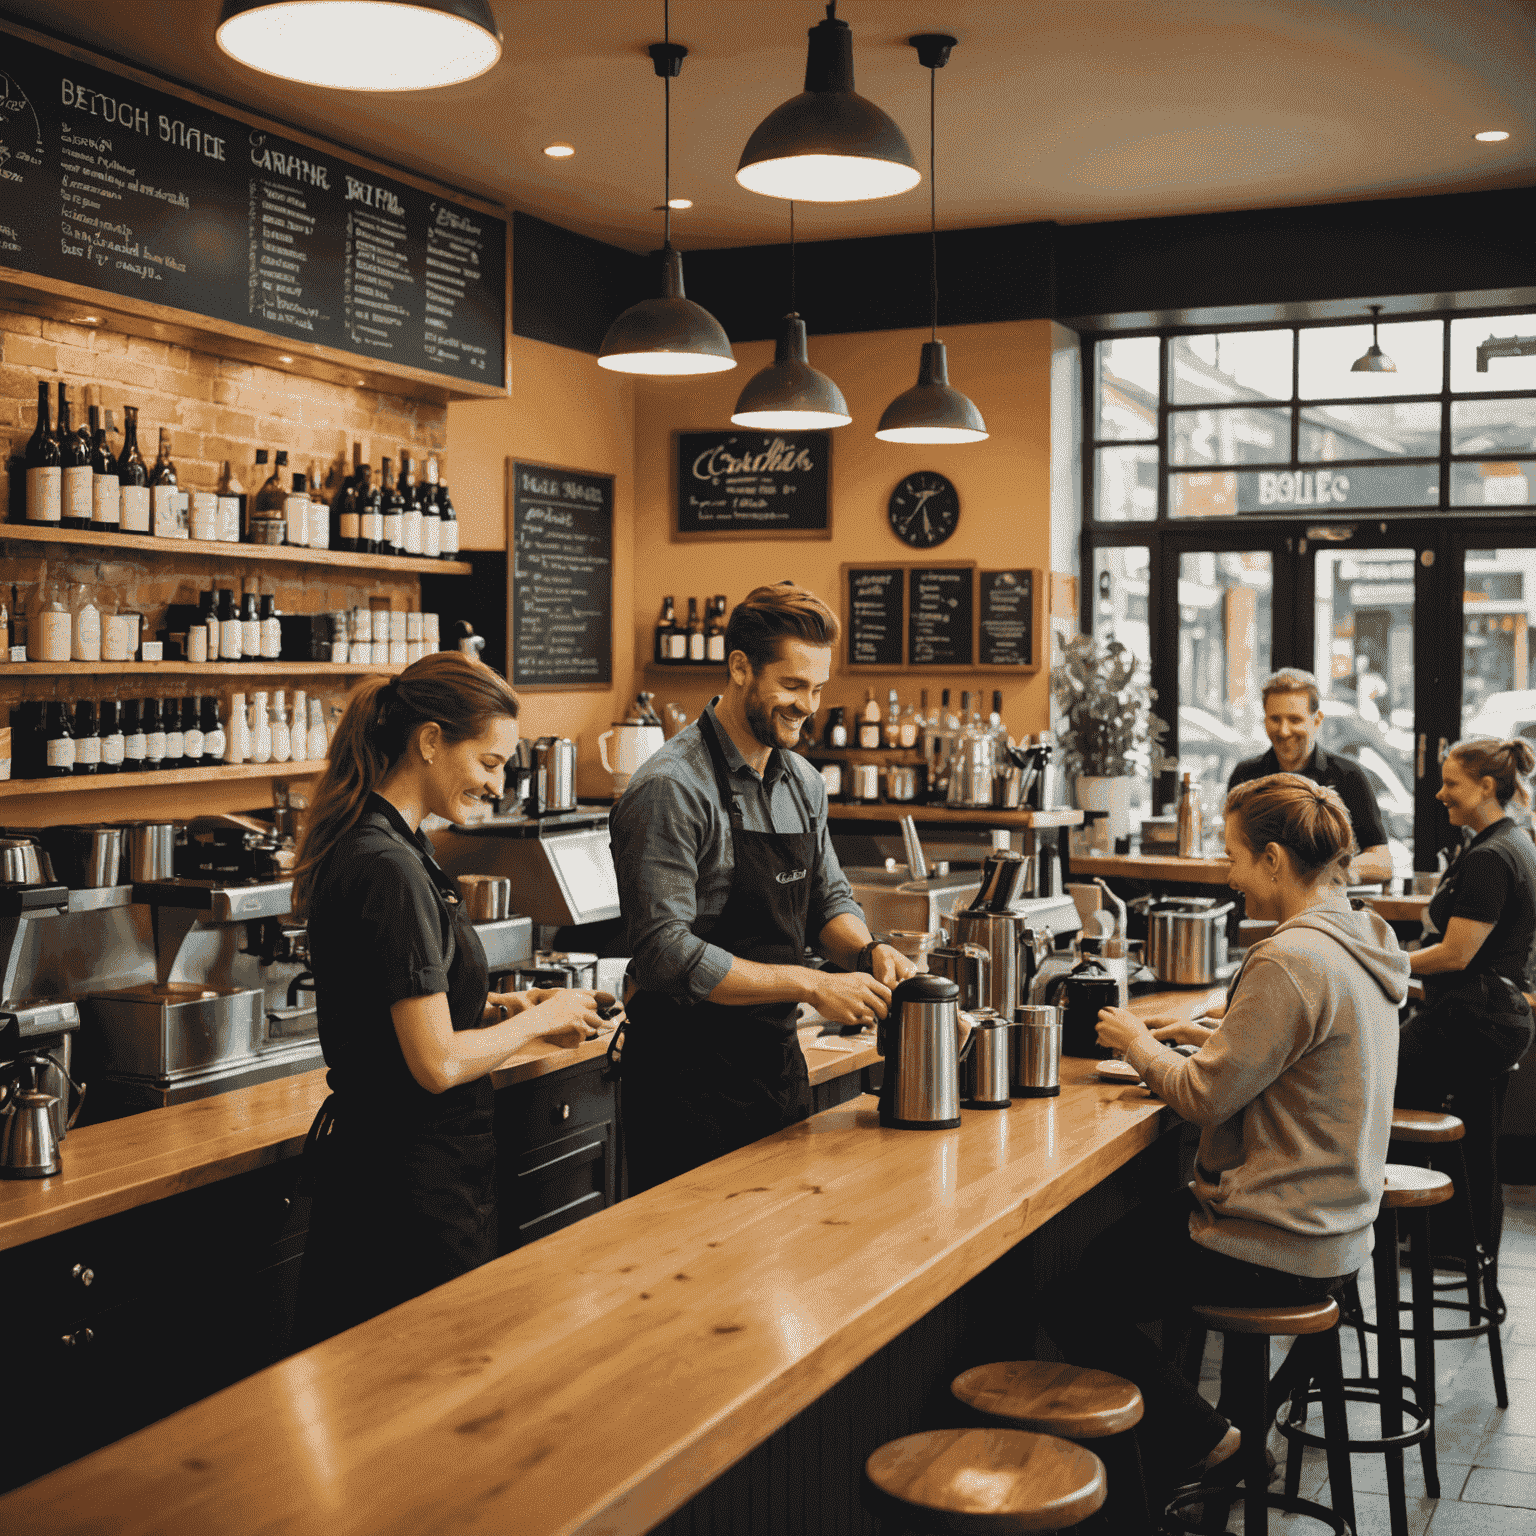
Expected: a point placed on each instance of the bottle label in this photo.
(869, 735)
(135, 747)
(392, 529)
(106, 501)
(319, 525)
(135, 508)
(88, 750)
(154, 746)
(113, 749)
(250, 636)
(908, 733)
(271, 639)
(450, 536)
(296, 510)
(677, 645)
(432, 537)
(350, 523)
(373, 527)
(229, 519)
(230, 639)
(45, 495)
(213, 638)
(717, 647)
(49, 636)
(175, 744)
(213, 743)
(77, 492)
(61, 752)
(87, 643)
(192, 744)
(696, 647)
(163, 509)
(411, 532)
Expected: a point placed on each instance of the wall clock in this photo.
(924, 509)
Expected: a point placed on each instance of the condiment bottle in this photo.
(85, 622)
(296, 512)
(318, 745)
(260, 729)
(281, 737)
(237, 747)
(50, 634)
(250, 626)
(271, 629)
(1191, 820)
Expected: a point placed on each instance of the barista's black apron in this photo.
(404, 1200)
(702, 1079)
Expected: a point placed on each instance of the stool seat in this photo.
(1408, 1187)
(982, 1481)
(1067, 1400)
(1305, 1317)
(1421, 1125)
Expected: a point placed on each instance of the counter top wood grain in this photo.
(951, 815)
(1149, 866)
(721, 1304)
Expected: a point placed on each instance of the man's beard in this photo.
(760, 719)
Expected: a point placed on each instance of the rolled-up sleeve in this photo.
(401, 924)
(656, 831)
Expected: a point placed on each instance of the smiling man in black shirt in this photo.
(1292, 718)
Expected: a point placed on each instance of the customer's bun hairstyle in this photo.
(1508, 763)
(1308, 820)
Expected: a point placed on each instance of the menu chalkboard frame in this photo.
(916, 568)
(845, 578)
(40, 293)
(906, 568)
(682, 450)
(514, 505)
(1039, 615)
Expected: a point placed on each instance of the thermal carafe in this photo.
(919, 1040)
(985, 1069)
(1081, 993)
(1034, 1051)
(1003, 936)
(969, 967)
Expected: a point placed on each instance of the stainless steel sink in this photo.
(892, 900)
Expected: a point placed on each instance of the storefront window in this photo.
(1327, 352)
(1125, 484)
(1230, 367)
(1497, 697)
(1122, 591)
(1237, 436)
(1493, 426)
(1493, 352)
(1493, 483)
(1127, 387)
(1408, 429)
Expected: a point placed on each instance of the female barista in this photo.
(401, 1155)
(1476, 1022)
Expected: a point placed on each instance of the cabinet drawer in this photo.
(530, 1114)
(552, 1185)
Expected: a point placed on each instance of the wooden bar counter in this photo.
(596, 1380)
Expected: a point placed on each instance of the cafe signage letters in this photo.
(753, 485)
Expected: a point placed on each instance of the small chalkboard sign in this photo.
(753, 485)
(560, 577)
(873, 598)
(940, 616)
(1006, 626)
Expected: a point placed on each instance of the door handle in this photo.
(1445, 747)
(1418, 758)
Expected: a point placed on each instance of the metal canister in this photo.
(1034, 1053)
(865, 782)
(985, 1072)
(968, 966)
(487, 898)
(901, 784)
(152, 849)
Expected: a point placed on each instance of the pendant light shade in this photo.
(1373, 360)
(789, 395)
(362, 45)
(828, 144)
(932, 412)
(669, 335)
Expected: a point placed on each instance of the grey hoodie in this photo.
(1293, 1095)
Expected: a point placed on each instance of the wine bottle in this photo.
(695, 631)
(75, 457)
(431, 514)
(390, 497)
(370, 514)
(133, 477)
(231, 631)
(45, 468)
(666, 627)
(714, 632)
(296, 512)
(345, 525)
(231, 496)
(110, 728)
(410, 508)
(87, 739)
(106, 505)
(449, 537)
(271, 628)
(213, 734)
(162, 492)
(192, 732)
(175, 738)
(250, 626)
(59, 741)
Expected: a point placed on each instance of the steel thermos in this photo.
(985, 1071)
(921, 1087)
(1035, 1053)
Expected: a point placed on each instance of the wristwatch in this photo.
(867, 957)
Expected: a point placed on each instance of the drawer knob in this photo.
(564, 1112)
(79, 1336)
(84, 1275)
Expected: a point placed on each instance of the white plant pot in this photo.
(1109, 795)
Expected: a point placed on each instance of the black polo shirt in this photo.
(1492, 880)
(1334, 772)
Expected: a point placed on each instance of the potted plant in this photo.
(1111, 735)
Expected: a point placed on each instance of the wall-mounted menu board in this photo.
(560, 576)
(752, 485)
(873, 600)
(112, 184)
(1006, 602)
(941, 615)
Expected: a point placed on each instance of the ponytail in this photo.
(459, 694)
(1307, 819)
(1508, 763)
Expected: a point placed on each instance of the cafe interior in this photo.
(1091, 363)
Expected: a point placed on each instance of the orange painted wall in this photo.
(1004, 486)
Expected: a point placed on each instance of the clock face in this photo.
(924, 509)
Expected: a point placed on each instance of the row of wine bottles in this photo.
(698, 639)
(75, 481)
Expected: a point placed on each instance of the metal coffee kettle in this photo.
(29, 1148)
(1080, 994)
(923, 1039)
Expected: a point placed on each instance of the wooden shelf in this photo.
(12, 789)
(232, 670)
(676, 668)
(952, 816)
(283, 554)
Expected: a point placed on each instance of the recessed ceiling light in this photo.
(87, 319)
(680, 202)
(1491, 136)
(283, 357)
(559, 151)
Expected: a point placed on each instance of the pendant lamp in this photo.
(828, 144)
(1373, 360)
(670, 335)
(362, 45)
(932, 412)
(789, 395)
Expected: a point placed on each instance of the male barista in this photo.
(1292, 718)
(725, 869)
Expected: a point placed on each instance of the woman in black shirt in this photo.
(401, 1156)
(1476, 1021)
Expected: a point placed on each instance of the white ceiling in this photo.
(1073, 110)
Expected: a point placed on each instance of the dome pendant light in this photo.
(1373, 360)
(932, 412)
(362, 45)
(789, 395)
(828, 144)
(671, 335)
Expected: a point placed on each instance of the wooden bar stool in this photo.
(1411, 1192)
(1247, 1332)
(1075, 1403)
(982, 1482)
(1439, 1133)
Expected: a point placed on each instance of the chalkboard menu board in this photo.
(1006, 631)
(874, 609)
(561, 576)
(940, 614)
(753, 485)
(116, 186)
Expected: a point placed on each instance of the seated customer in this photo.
(1293, 1097)
(1292, 718)
(1476, 1022)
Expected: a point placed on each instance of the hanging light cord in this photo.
(666, 80)
(793, 307)
(933, 217)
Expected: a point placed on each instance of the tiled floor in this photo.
(1487, 1455)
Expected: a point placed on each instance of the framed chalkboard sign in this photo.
(874, 600)
(560, 577)
(941, 615)
(734, 484)
(116, 182)
(1010, 619)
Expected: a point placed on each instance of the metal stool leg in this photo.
(1423, 1271)
(1252, 1351)
(1389, 1363)
(1482, 1273)
(1329, 1370)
